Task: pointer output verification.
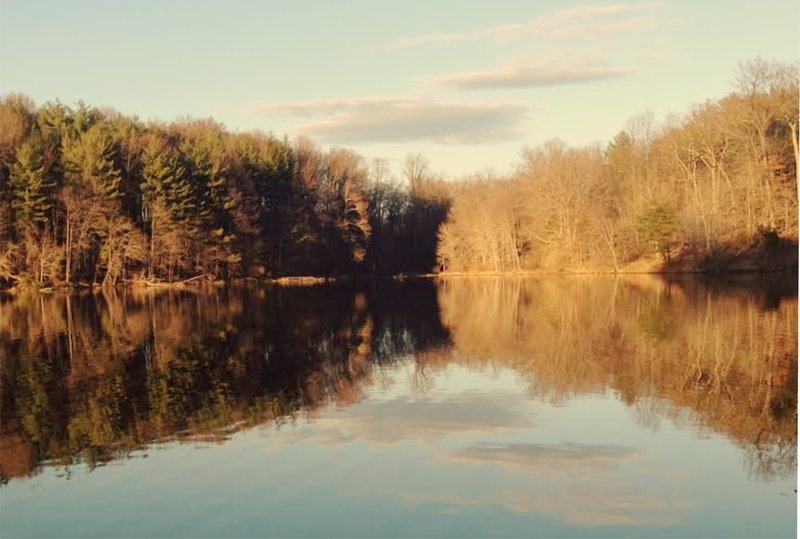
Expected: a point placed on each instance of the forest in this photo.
(89, 196)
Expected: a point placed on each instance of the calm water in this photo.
(471, 407)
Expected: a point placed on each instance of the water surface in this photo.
(591, 407)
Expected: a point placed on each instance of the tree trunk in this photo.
(68, 269)
(793, 127)
(152, 247)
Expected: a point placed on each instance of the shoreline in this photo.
(199, 282)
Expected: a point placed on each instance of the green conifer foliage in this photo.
(30, 185)
(165, 179)
(657, 226)
(93, 159)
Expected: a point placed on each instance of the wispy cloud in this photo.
(593, 501)
(397, 120)
(577, 22)
(548, 458)
(532, 75)
(381, 423)
(583, 484)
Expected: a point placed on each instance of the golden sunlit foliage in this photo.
(664, 348)
(90, 377)
(94, 197)
(713, 189)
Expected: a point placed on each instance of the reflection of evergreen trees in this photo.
(94, 376)
(183, 365)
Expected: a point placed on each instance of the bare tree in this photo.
(416, 170)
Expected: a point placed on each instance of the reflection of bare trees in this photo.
(771, 455)
(664, 349)
(95, 375)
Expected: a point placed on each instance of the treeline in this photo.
(696, 192)
(91, 196)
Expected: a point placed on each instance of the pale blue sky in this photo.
(467, 83)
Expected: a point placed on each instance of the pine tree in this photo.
(658, 226)
(208, 160)
(92, 159)
(171, 208)
(165, 178)
(91, 196)
(31, 186)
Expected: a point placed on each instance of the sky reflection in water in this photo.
(565, 407)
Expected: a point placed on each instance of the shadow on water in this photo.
(770, 289)
(88, 378)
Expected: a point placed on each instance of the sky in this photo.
(466, 83)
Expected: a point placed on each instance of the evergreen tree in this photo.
(92, 158)
(164, 178)
(31, 186)
(171, 210)
(657, 226)
(207, 159)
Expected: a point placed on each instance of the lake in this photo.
(466, 407)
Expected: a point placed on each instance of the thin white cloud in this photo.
(588, 21)
(397, 120)
(593, 501)
(548, 458)
(382, 423)
(582, 484)
(532, 76)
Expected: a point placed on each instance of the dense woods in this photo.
(89, 196)
(696, 192)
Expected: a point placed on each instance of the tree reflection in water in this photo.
(88, 378)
